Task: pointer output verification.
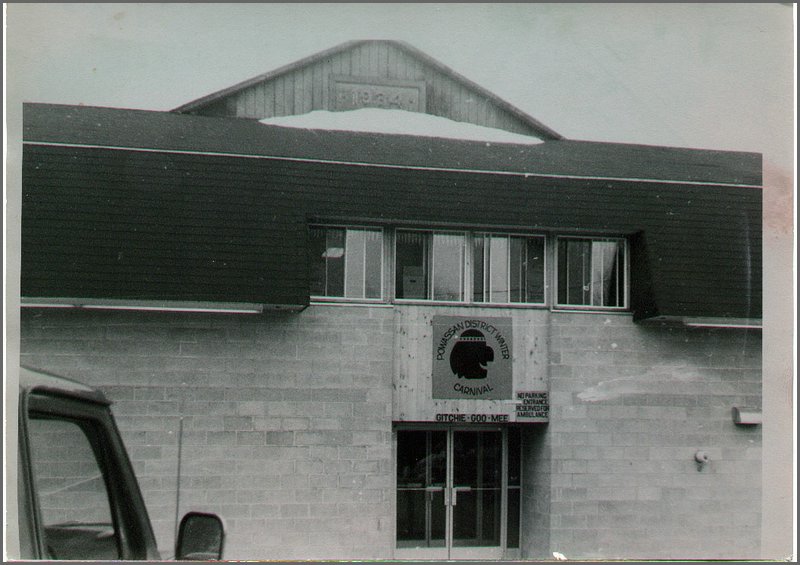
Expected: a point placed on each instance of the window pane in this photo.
(334, 262)
(498, 268)
(616, 287)
(73, 499)
(574, 268)
(354, 264)
(478, 271)
(516, 269)
(534, 270)
(604, 273)
(511, 266)
(373, 271)
(512, 537)
(591, 272)
(316, 260)
(421, 475)
(411, 277)
(514, 454)
(514, 483)
(448, 267)
(346, 263)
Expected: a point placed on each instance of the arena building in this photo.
(360, 345)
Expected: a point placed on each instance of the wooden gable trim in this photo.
(542, 129)
(538, 127)
(215, 96)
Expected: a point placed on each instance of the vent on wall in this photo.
(746, 416)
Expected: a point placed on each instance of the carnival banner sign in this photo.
(472, 358)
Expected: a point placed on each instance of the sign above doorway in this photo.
(472, 358)
(465, 368)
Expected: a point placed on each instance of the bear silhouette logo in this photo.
(470, 355)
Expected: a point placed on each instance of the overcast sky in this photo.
(714, 75)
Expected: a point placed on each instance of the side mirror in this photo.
(200, 537)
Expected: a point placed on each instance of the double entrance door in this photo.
(457, 493)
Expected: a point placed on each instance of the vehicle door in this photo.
(82, 499)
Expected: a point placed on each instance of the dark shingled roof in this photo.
(136, 205)
(176, 132)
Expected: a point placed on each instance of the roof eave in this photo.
(540, 128)
(707, 322)
(214, 96)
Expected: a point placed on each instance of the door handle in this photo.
(456, 490)
(432, 490)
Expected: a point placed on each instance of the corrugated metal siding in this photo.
(306, 89)
(119, 224)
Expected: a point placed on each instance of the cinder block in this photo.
(238, 423)
(324, 480)
(338, 409)
(331, 438)
(338, 466)
(162, 407)
(368, 467)
(295, 423)
(330, 423)
(250, 438)
(279, 438)
(351, 452)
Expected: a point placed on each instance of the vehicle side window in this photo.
(72, 493)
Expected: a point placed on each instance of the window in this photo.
(346, 262)
(73, 496)
(468, 267)
(507, 269)
(591, 272)
(429, 266)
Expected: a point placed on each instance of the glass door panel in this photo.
(477, 488)
(457, 493)
(421, 484)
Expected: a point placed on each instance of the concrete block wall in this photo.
(630, 407)
(285, 419)
(286, 429)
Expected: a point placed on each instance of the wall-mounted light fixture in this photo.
(746, 416)
(701, 459)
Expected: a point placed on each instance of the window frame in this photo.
(465, 265)
(550, 277)
(558, 306)
(91, 434)
(481, 234)
(382, 230)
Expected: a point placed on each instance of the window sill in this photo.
(589, 310)
(321, 301)
(495, 305)
(317, 301)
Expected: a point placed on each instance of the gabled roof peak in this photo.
(368, 73)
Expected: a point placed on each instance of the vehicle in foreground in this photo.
(78, 494)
